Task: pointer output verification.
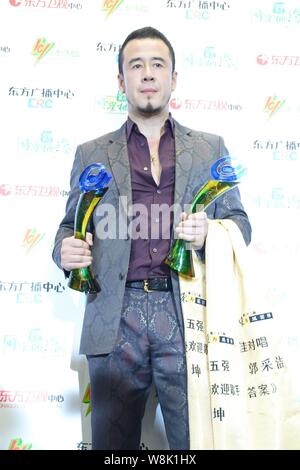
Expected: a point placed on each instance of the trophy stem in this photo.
(209, 192)
(85, 207)
(180, 257)
(82, 279)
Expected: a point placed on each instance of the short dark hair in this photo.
(145, 33)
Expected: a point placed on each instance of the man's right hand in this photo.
(76, 253)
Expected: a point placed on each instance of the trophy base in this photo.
(82, 280)
(180, 259)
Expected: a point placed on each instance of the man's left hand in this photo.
(193, 228)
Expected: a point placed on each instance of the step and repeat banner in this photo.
(238, 66)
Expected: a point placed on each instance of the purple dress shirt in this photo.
(152, 220)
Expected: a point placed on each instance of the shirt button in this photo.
(158, 191)
(154, 250)
(145, 168)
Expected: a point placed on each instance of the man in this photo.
(132, 330)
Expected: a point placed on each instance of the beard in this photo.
(149, 109)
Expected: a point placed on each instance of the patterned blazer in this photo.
(195, 152)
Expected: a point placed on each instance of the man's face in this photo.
(147, 78)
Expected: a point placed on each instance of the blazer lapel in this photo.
(119, 162)
(184, 146)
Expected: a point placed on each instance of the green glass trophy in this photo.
(226, 173)
(93, 183)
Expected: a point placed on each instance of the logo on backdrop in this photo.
(30, 292)
(113, 104)
(194, 104)
(31, 239)
(5, 190)
(281, 150)
(273, 105)
(55, 4)
(278, 14)
(211, 57)
(35, 341)
(277, 197)
(17, 444)
(84, 445)
(44, 143)
(87, 399)
(41, 48)
(108, 47)
(4, 51)
(198, 5)
(198, 9)
(32, 190)
(20, 398)
(109, 6)
(44, 98)
(285, 60)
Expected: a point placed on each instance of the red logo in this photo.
(262, 59)
(5, 190)
(175, 103)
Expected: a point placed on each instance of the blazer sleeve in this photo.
(66, 227)
(229, 206)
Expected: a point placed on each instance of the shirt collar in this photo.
(131, 125)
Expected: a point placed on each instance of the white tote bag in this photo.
(239, 389)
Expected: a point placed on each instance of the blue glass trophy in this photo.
(93, 183)
(226, 173)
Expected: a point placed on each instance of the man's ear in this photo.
(121, 83)
(174, 81)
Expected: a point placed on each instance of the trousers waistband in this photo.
(148, 285)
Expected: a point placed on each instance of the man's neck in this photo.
(152, 126)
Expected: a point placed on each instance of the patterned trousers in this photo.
(149, 347)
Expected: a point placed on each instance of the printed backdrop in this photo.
(238, 69)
